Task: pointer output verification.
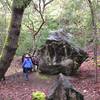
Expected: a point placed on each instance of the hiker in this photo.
(26, 65)
(35, 62)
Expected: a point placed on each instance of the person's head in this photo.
(27, 55)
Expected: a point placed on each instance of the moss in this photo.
(38, 95)
(6, 42)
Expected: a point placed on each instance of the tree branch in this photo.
(31, 22)
(48, 2)
(40, 10)
(40, 5)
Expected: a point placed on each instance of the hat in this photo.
(27, 55)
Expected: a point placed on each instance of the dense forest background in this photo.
(72, 15)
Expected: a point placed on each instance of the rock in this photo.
(60, 55)
(62, 89)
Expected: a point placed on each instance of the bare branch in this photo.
(43, 21)
(31, 21)
(43, 2)
(28, 27)
(43, 5)
(35, 7)
(48, 2)
(40, 10)
(40, 5)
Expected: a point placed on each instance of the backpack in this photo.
(27, 63)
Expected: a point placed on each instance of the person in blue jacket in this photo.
(27, 65)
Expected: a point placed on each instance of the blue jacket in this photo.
(27, 63)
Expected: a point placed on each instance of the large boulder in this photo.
(60, 55)
(62, 89)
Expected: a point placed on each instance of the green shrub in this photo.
(38, 95)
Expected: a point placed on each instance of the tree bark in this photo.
(11, 42)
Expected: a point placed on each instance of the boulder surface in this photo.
(60, 55)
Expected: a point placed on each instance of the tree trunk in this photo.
(93, 16)
(11, 43)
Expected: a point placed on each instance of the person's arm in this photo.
(23, 63)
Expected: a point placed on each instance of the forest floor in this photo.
(16, 88)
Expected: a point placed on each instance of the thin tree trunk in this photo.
(11, 43)
(94, 36)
